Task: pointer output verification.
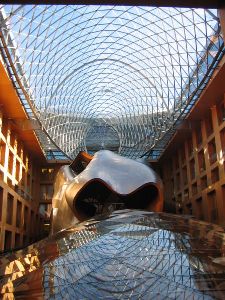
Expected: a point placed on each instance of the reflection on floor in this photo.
(127, 255)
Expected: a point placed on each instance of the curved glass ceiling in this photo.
(130, 70)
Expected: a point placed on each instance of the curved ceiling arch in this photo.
(132, 69)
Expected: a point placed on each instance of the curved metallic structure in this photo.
(100, 184)
(127, 255)
(136, 70)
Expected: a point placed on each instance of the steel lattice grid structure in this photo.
(132, 69)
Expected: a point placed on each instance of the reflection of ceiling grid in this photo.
(128, 255)
(131, 68)
(136, 256)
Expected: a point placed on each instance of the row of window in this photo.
(211, 214)
(211, 155)
(14, 142)
(23, 224)
(23, 216)
(211, 145)
(204, 180)
(198, 168)
(23, 177)
(21, 240)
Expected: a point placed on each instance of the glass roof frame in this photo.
(125, 89)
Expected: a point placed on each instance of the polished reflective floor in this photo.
(128, 255)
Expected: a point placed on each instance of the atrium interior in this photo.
(143, 82)
(112, 149)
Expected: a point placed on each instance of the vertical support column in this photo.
(14, 157)
(208, 171)
(4, 214)
(217, 138)
(216, 130)
(195, 153)
(187, 158)
(14, 221)
(26, 174)
(6, 169)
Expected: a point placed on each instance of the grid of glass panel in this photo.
(134, 70)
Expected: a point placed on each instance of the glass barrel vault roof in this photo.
(134, 71)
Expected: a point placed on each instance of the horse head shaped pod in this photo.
(101, 183)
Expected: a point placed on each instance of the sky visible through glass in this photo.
(129, 68)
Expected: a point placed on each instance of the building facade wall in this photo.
(194, 176)
(20, 221)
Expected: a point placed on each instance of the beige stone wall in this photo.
(20, 221)
(194, 177)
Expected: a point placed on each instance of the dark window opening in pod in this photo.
(97, 198)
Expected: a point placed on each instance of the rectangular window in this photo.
(32, 223)
(221, 112)
(17, 170)
(184, 173)
(183, 158)
(4, 128)
(28, 182)
(222, 139)
(186, 195)
(24, 240)
(8, 240)
(223, 197)
(9, 182)
(199, 207)
(212, 151)
(172, 185)
(12, 139)
(50, 191)
(23, 178)
(17, 240)
(215, 175)
(192, 169)
(47, 174)
(179, 198)
(37, 225)
(18, 214)
(9, 213)
(46, 192)
(189, 208)
(1, 202)
(178, 181)
(10, 162)
(209, 124)
(2, 153)
(201, 161)
(194, 188)
(25, 221)
(204, 182)
(198, 133)
(176, 161)
(43, 194)
(212, 205)
(24, 158)
(190, 147)
(19, 149)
